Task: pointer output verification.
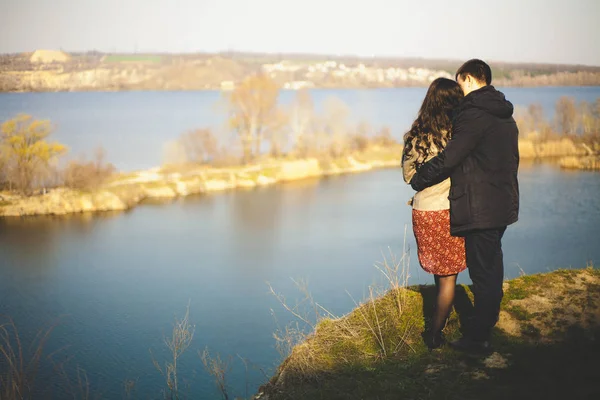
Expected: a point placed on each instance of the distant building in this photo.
(49, 56)
(297, 85)
(227, 85)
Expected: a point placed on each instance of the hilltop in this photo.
(546, 344)
(47, 70)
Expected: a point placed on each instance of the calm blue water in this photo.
(113, 283)
(134, 126)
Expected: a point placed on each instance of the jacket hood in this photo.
(490, 100)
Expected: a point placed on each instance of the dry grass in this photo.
(218, 369)
(385, 325)
(179, 341)
(585, 163)
(544, 307)
(19, 365)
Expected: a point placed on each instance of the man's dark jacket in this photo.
(482, 159)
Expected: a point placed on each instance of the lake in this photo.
(113, 284)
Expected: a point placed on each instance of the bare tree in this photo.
(200, 145)
(336, 125)
(523, 120)
(253, 111)
(384, 137)
(590, 122)
(278, 133)
(302, 123)
(536, 114)
(596, 112)
(566, 115)
(586, 116)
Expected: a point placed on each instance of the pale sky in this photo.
(552, 31)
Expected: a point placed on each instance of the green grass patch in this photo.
(347, 359)
(127, 58)
(516, 291)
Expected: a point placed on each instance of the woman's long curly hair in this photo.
(433, 125)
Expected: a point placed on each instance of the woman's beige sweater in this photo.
(433, 198)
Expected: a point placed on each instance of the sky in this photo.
(546, 31)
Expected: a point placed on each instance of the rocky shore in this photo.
(570, 155)
(590, 163)
(128, 190)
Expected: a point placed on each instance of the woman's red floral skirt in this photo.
(439, 252)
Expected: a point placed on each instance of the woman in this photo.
(440, 253)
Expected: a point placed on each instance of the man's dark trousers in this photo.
(486, 269)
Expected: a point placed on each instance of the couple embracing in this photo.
(461, 156)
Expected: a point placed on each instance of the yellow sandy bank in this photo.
(128, 190)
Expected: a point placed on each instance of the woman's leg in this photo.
(446, 286)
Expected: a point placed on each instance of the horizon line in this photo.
(302, 54)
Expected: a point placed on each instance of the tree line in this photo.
(575, 120)
(263, 127)
(29, 161)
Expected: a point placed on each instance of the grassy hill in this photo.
(546, 347)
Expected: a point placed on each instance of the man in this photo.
(482, 159)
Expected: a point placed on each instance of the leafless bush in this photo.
(359, 142)
(335, 125)
(226, 158)
(384, 137)
(88, 175)
(8, 83)
(566, 115)
(200, 145)
(218, 369)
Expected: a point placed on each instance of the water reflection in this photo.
(527, 163)
(35, 242)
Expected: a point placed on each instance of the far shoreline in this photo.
(163, 184)
(127, 190)
(312, 89)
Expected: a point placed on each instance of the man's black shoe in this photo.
(433, 341)
(467, 345)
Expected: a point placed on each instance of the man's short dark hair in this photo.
(477, 69)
